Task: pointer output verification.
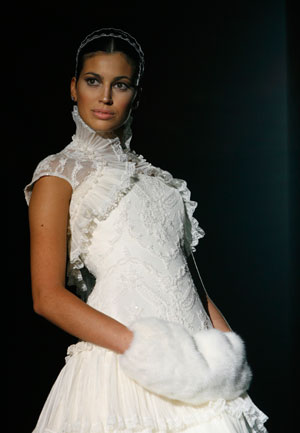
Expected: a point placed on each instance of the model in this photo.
(150, 358)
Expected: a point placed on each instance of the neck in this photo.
(90, 139)
(119, 133)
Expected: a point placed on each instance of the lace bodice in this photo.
(131, 225)
(131, 228)
(137, 257)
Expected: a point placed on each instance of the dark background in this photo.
(220, 109)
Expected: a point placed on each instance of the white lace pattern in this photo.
(103, 170)
(131, 225)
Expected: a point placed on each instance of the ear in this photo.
(73, 89)
(137, 98)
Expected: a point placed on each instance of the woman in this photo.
(150, 357)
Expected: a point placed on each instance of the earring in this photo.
(73, 99)
(135, 105)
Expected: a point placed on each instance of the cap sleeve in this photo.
(58, 165)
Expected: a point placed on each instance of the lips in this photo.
(103, 114)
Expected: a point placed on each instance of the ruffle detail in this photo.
(92, 202)
(105, 169)
(123, 405)
(93, 142)
(102, 191)
(193, 232)
(81, 346)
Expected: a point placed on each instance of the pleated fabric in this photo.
(93, 395)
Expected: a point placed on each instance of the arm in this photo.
(218, 320)
(48, 219)
(194, 368)
(166, 359)
(216, 317)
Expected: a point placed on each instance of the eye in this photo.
(121, 86)
(91, 81)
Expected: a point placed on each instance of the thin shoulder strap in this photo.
(205, 291)
(201, 281)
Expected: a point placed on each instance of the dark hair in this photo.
(109, 44)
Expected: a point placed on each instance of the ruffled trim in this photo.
(81, 346)
(193, 232)
(105, 187)
(216, 409)
(94, 143)
(125, 406)
(99, 194)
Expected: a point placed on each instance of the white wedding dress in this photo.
(132, 227)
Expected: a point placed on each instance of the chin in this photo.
(103, 126)
(106, 126)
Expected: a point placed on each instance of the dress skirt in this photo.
(93, 395)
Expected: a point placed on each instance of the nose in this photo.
(105, 95)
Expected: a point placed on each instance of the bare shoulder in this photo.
(48, 220)
(49, 187)
(49, 203)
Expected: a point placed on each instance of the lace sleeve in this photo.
(59, 165)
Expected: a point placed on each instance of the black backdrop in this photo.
(219, 109)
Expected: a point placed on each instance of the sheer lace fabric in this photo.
(131, 225)
(102, 171)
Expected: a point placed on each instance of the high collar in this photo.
(94, 144)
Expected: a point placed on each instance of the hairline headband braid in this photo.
(116, 33)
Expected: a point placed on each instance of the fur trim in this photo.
(164, 358)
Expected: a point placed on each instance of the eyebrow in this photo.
(120, 77)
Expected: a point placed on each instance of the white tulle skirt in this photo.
(93, 395)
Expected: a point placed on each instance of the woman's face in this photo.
(104, 92)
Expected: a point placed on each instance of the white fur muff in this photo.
(166, 359)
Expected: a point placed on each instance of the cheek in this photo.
(125, 102)
(86, 96)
